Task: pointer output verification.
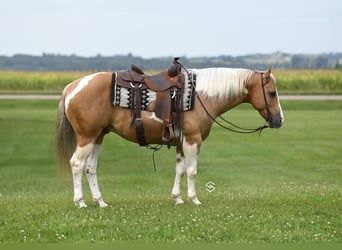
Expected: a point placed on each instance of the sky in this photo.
(158, 28)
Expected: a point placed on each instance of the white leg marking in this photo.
(180, 170)
(191, 156)
(83, 83)
(92, 178)
(78, 162)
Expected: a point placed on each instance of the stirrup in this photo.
(168, 133)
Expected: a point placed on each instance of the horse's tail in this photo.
(65, 138)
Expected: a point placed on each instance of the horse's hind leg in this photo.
(78, 163)
(92, 178)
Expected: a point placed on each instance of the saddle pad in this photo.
(123, 97)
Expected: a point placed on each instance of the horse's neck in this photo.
(226, 105)
(217, 106)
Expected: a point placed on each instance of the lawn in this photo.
(282, 186)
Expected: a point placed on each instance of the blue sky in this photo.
(153, 28)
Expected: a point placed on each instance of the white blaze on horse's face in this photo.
(276, 116)
(279, 106)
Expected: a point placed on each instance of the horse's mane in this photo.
(222, 82)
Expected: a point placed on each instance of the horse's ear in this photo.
(268, 72)
(267, 75)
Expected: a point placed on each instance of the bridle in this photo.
(264, 94)
(236, 129)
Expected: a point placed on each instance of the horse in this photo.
(85, 115)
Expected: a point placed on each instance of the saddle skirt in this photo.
(130, 89)
(124, 96)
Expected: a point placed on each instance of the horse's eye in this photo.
(272, 94)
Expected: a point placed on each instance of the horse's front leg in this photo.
(92, 178)
(190, 156)
(180, 170)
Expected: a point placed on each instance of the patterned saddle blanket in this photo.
(123, 97)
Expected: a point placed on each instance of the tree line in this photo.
(279, 60)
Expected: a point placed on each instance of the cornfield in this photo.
(288, 81)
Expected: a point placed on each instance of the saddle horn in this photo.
(175, 69)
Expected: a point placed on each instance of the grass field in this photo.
(284, 186)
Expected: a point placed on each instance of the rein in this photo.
(236, 129)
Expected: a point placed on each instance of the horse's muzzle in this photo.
(275, 121)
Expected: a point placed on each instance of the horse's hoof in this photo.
(195, 200)
(80, 203)
(178, 200)
(101, 203)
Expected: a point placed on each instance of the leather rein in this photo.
(236, 128)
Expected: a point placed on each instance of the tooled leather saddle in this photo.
(168, 87)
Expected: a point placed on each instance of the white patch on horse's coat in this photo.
(83, 83)
(92, 178)
(190, 156)
(180, 170)
(178, 132)
(78, 162)
(154, 117)
(222, 82)
(190, 153)
(81, 154)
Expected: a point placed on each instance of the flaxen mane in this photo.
(222, 82)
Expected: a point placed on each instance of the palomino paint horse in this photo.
(85, 115)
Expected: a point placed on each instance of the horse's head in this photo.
(263, 95)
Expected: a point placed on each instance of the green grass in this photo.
(284, 186)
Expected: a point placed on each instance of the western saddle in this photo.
(168, 86)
